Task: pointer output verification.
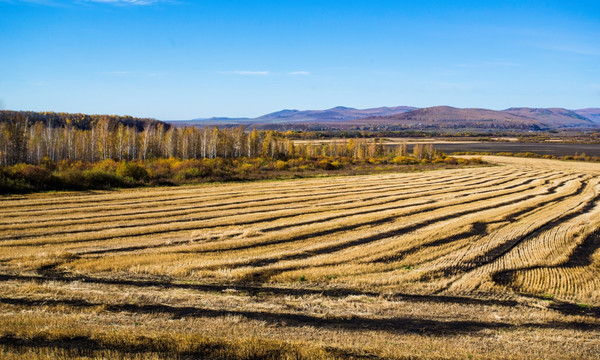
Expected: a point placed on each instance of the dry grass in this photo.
(496, 262)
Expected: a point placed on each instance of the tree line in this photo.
(78, 121)
(26, 139)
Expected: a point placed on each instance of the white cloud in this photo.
(491, 63)
(33, 2)
(57, 3)
(501, 64)
(125, 2)
(573, 48)
(299, 73)
(246, 72)
(449, 86)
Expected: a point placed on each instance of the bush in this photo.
(476, 160)
(98, 179)
(39, 177)
(245, 168)
(160, 170)
(337, 165)
(8, 184)
(72, 179)
(281, 165)
(133, 171)
(451, 161)
(188, 174)
(405, 160)
(325, 165)
(108, 165)
(89, 179)
(306, 167)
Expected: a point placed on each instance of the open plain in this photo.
(485, 262)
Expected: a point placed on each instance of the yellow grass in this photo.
(488, 262)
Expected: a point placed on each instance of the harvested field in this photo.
(485, 262)
(509, 145)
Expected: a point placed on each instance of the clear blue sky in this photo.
(183, 59)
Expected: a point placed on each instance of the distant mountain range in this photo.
(446, 116)
(412, 117)
(336, 114)
(590, 113)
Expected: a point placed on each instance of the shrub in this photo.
(99, 179)
(245, 168)
(476, 160)
(72, 179)
(108, 165)
(405, 160)
(159, 169)
(281, 165)
(132, 170)
(450, 161)
(39, 177)
(325, 165)
(306, 167)
(337, 164)
(188, 174)
(186, 164)
(8, 184)
(89, 179)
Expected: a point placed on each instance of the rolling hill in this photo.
(447, 116)
(289, 116)
(553, 117)
(590, 113)
(339, 113)
(523, 118)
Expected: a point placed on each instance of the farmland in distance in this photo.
(485, 262)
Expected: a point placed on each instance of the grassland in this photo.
(487, 262)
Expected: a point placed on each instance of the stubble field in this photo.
(486, 262)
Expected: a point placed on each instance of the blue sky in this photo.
(183, 59)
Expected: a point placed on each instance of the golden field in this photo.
(496, 262)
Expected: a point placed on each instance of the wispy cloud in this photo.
(264, 73)
(131, 73)
(501, 64)
(572, 48)
(124, 2)
(448, 85)
(246, 72)
(488, 64)
(34, 2)
(66, 3)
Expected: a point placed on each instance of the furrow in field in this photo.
(418, 226)
(376, 235)
(201, 192)
(139, 231)
(350, 223)
(480, 257)
(110, 198)
(247, 200)
(478, 218)
(108, 247)
(188, 216)
(571, 245)
(175, 205)
(142, 195)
